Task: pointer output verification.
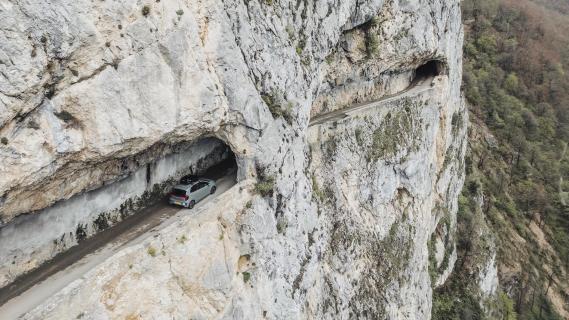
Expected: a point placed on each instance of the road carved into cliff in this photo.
(413, 89)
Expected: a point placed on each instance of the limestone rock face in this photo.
(361, 218)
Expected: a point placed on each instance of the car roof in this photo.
(189, 185)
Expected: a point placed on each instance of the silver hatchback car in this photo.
(187, 195)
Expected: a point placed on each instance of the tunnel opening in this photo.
(430, 69)
(137, 199)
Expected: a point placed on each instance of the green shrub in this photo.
(182, 239)
(146, 10)
(276, 110)
(474, 187)
(290, 31)
(372, 44)
(4, 140)
(282, 224)
(265, 186)
(300, 46)
(506, 306)
(246, 277)
(269, 101)
(451, 306)
(433, 273)
(316, 191)
(151, 251)
(373, 22)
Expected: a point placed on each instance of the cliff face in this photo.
(354, 212)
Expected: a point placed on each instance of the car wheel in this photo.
(191, 204)
(212, 191)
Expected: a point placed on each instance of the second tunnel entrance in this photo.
(430, 69)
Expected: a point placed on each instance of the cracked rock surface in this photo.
(361, 218)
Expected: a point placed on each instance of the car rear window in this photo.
(179, 192)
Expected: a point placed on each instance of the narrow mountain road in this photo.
(414, 88)
(34, 288)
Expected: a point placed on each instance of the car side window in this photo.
(197, 186)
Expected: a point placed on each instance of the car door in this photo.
(195, 192)
(202, 190)
(205, 189)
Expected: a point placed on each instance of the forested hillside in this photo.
(515, 201)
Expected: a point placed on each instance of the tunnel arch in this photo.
(223, 163)
(430, 69)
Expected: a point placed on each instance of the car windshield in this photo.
(179, 193)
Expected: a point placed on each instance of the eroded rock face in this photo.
(356, 201)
